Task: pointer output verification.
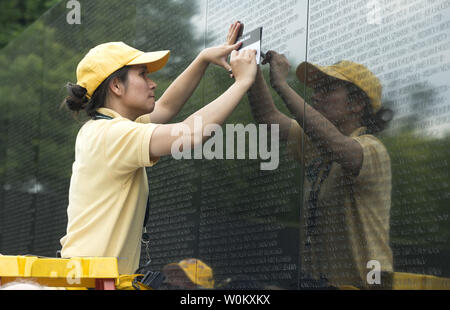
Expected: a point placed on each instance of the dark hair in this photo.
(374, 122)
(77, 100)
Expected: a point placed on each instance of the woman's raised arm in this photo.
(179, 92)
(243, 65)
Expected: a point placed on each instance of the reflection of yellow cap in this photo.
(104, 59)
(196, 270)
(349, 71)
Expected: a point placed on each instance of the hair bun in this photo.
(76, 99)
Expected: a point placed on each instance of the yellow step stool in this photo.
(411, 281)
(100, 273)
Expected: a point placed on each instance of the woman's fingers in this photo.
(230, 33)
(244, 54)
(234, 46)
(225, 65)
(233, 33)
(249, 53)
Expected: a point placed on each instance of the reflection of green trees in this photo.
(16, 15)
(420, 224)
(420, 197)
(420, 201)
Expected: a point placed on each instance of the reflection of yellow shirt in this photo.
(349, 225)
(109, 189)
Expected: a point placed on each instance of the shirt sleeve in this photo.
(127, 145)
(300, 147)
(295, 140)
(376, 166)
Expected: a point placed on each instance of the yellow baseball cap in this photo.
(345, 70)
(197, 271)
(104, 59)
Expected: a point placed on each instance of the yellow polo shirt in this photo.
(109, 189)
(349, 225)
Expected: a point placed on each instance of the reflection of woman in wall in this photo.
(347, 188)
(127, 132)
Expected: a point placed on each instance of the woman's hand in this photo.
(243, 64)
(279, 68)
(218, 54)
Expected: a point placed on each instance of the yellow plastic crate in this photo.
(90, 272)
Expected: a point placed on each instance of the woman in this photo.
(109, 188)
